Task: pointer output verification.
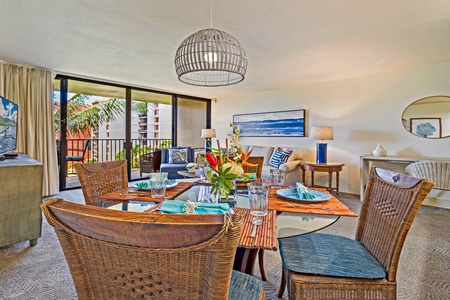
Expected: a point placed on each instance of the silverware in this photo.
(307, 206)
(256, 222)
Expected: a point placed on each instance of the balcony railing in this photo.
(101, 150)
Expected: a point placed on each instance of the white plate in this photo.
(292, 194)
(143, 185)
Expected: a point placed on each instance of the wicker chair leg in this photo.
(261, 264)
(282, 283)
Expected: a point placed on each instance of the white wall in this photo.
(363, 111)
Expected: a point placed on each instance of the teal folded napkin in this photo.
(247, 177)
(251, 176)
(303, 193)
(183, 207)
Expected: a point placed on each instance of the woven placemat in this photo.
(266, 233)
(329, 207)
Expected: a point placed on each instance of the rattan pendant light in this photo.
(210, 57)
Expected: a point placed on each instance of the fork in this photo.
(307, 206)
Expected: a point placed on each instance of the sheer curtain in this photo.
(31, 88)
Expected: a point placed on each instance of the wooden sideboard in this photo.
(391, 162)
(20, 199)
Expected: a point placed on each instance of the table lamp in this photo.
(321, 133)
(208, 134)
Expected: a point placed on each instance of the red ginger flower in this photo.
(212, 161)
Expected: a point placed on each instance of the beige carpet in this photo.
(41, 272)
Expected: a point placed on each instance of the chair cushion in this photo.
(279, 157)
(172, 168)
(178, 156)
(74, 158)
(244, 286)
(329, 255)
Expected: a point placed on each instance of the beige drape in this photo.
(31, 89)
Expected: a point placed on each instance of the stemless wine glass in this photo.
(258, 193)
(276, 177)
(158, 184)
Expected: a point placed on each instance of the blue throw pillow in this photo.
(178, 156)
(279, 157)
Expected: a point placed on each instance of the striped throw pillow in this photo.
(279, 157)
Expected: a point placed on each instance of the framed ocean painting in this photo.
(289, 123)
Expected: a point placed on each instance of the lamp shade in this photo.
(210, 57)
(321, 133)
(208, 133)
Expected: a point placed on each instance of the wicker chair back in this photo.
(259, 160)
(437, 171)
(391, 202)
(121, 255)
(97, 179)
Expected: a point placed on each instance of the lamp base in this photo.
(321, 154)
(208, 145)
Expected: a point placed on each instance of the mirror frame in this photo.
(433, 120)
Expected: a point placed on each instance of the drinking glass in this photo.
(258, 194)
(276, 177)
(203, 170)
(158, 184)
(205, 194)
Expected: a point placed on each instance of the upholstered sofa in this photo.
(292, 167)
(170, 163)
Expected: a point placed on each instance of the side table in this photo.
(329, 168)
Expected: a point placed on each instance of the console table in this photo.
(20, 199)
(391, 162)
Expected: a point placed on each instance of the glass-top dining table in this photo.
(286, 218)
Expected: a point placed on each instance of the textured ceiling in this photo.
(288, 42)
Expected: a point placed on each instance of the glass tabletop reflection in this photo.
(289, 224)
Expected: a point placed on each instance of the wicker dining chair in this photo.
(437, 171)
(122, 255)
(97, 179)
(259, 161)
(324, 266)
(150, 162)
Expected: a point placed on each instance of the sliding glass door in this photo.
(152, 116)
(98, 122)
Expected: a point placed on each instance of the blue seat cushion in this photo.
(329, 255)
(244, 286)
(172, 167)
(74, 157)
(172, 170)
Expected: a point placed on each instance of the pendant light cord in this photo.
(211, 14)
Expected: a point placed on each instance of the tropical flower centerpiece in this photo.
(226, 167)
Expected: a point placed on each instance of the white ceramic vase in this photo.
(379, 151)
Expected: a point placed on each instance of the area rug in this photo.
(41, 272)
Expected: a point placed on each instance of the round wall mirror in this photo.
(428, 117)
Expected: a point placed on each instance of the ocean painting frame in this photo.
(288, 123)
